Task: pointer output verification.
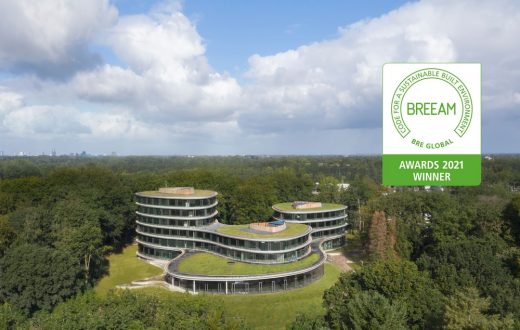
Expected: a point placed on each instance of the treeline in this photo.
(57, 227)
(126, 310)
(431, 254)
(498, 169)
(340, 167)
(435, 260)
(55, 231)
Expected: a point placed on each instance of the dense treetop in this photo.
(431, 257)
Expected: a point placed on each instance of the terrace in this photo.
(289, 206)
(179, 194)
(291, 230)
(202, 263)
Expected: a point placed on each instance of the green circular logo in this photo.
(432, 102)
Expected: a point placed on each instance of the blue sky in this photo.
(233, 30)
(236, 77)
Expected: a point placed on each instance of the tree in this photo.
(472, 262)
(7, 234)
(35, 277)
(512, 215)
(381, 237)
(253, 200)
(329, 191)
(467, 310)
(305, 322)
(369, 310)
(398, 281)
(10, 318)
(131, 310)
(32, 225)
(76, 229)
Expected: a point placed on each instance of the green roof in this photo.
(197, 193)
(293, 229)
(203, 263)
(324, 207)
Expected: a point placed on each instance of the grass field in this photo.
(124, 268)
(292, 229)
(272, 310)
(275, 310)
(262, 311)
(209, 264)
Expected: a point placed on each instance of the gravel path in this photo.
(340, 261)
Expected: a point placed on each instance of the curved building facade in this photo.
(173, 219)
(177, 223)
(232, 284)
(328, 221)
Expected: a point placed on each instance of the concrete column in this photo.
(194, 287)
(226, 288)
(173, 282)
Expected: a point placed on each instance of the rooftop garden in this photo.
(293, 229)
(203, 263)
(324, 207)
(197, 193)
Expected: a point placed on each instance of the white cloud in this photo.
(17, 119)
(42, 121)
(9, 101)
(168, 78)
(51, 37)
(162, 90)
(337, 83)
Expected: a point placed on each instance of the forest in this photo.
(444, 259)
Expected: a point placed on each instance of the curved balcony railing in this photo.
(175, 207)
(188, 218)
(315, 248)
(227, 246)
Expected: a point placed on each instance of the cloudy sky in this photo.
(236, 77)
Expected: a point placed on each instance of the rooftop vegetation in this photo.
(203, 263)
(293, 229)
(324, 207)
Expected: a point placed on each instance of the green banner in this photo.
(431, 170)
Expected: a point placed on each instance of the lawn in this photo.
(262, 311)
(209, 264)
(272, 310)
(292, 229)
(275, 310)
(324, 207)
(124, 268)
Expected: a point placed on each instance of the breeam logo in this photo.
(431, 124)
(422, 109)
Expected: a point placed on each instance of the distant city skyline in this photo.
(208, 77)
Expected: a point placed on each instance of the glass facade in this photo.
(250, 286)
(166, 225)
(309, 215)
(157, 253)
(334, 243)
(142, 219)
(176, 212)
(247, 256)
(323, 223)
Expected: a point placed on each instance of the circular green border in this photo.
(403, 135)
